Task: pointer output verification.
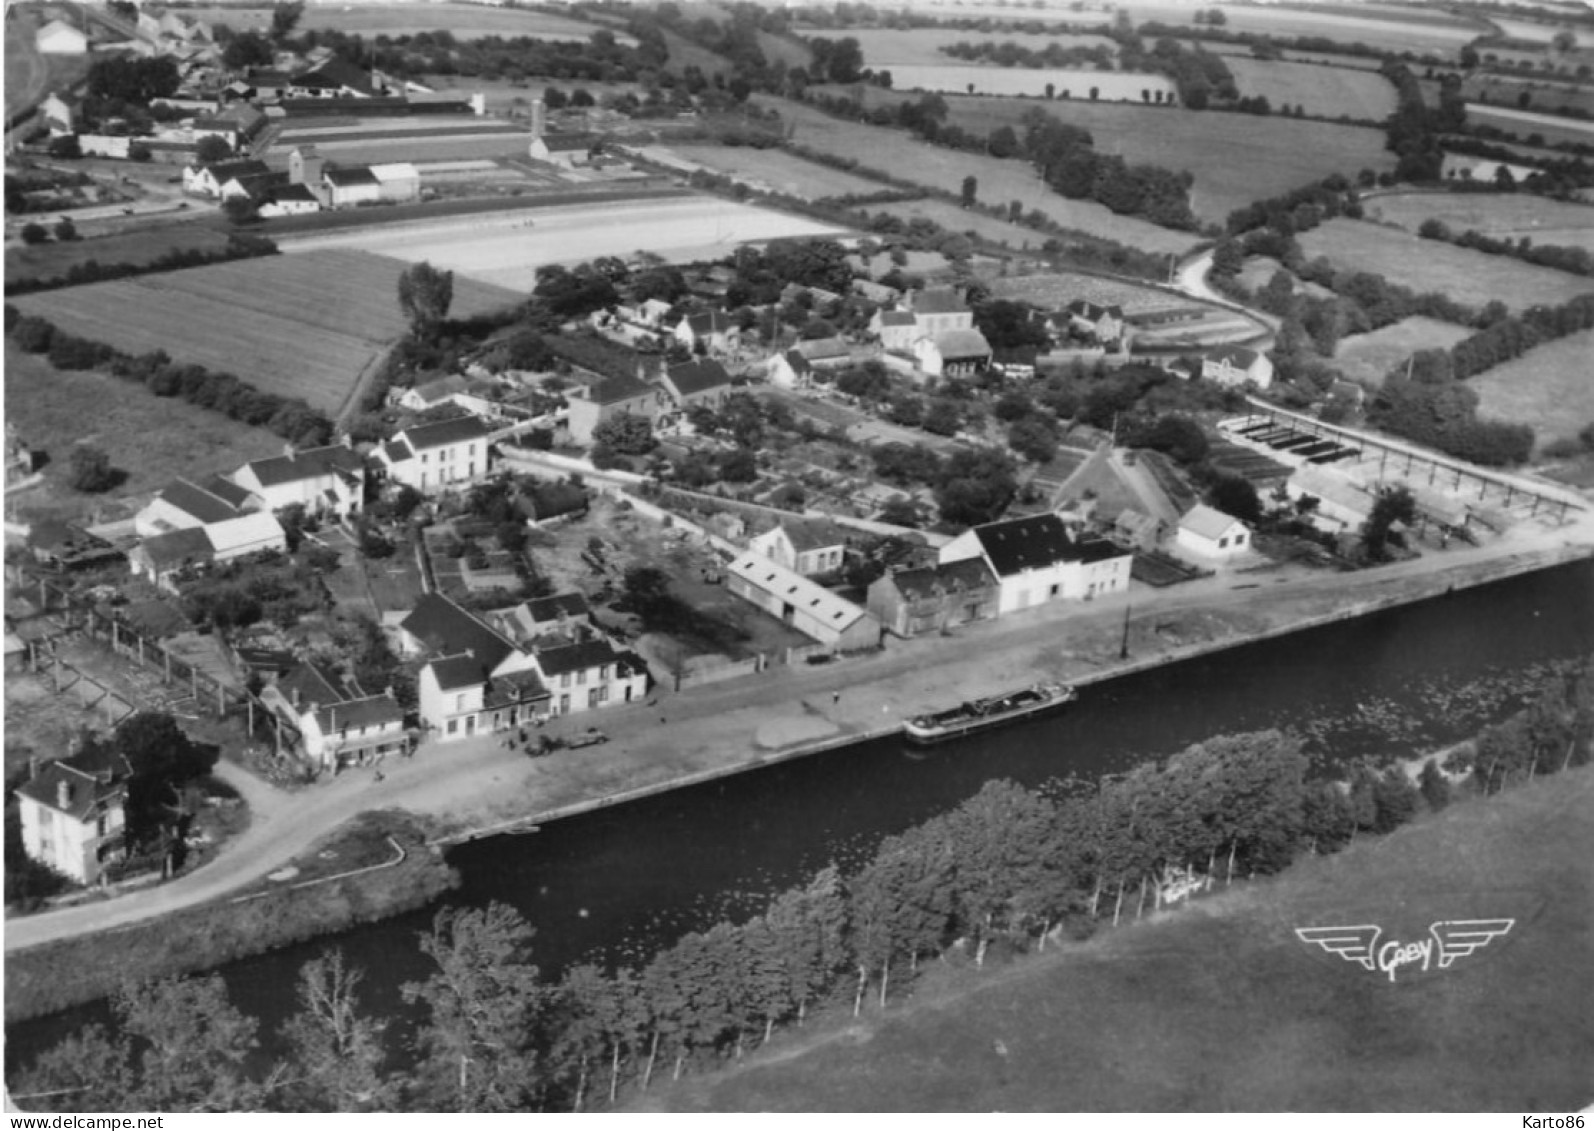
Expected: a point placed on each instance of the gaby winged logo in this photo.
(1448, 940)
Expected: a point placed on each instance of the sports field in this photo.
(505, 249)
(300, 326)
(1219, 1006)
(1469, 277)
(1507, 215)
(1235, 158)
(902, 156)
(778, 171)
(464, 21)
(1547, 388)
(1368, 358)
(1326, 92)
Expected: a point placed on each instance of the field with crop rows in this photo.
(889, 49)
(1055, 290)
(1426, 265)
(778, 171)
(1501, 215)
(301, 325)
(1543, 94)
(1025, 82)
(1368, 358)
(1548, 388)
(1326, 92)
(464, 21)
(906, 158)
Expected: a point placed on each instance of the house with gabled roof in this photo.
(543, 616)
(74, 813)
(953, 353)
(1210, 533)
(1236, 365)
(823, 616)
(184, 503)
(568, 149)
(338, 723)
(435, 457)
(713, 330)
(938, 310)
(334, 77)
(702, 382)
(912, 601)
(611, 397)
(896, 329)
(207, 180)
(163, 556)
(328, 480)
(1105, 323)
(350, 185)
(289, 200)
(583, 671)
(60, 38)
(1037, 561)
(809, 546)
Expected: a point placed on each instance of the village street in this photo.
(472, 787)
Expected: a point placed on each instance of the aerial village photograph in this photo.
(705, 556)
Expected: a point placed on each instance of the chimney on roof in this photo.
(293, 694)
(63, 794)
(289, 449)
(33, 766)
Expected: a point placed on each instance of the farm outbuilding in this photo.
(1212, 534)
(806, 606)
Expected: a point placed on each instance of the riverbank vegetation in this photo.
(1009, 871)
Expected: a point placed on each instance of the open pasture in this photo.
(1547, 388)
(1469, 277)
(1552, 95)
(1500, 215)
(463, 21)
(504, 249)
(1326, 92)
(890, 49)
(777, 171)
(956, 219)
(1392, 28)
(1024, 82)
(300, 326)
(1524, 123)
(902, 156)
(1368, 358)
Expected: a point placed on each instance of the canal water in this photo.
(617, 885)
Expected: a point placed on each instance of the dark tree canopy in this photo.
(425, 294)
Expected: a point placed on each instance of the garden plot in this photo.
(1368, 358)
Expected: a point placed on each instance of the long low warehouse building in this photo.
(808, 607)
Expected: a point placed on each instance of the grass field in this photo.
(1327, 92)
(1547, 388)
(1368, 358)
(300, 325)
(52, 260)
(1026, 82)
(151, 438)
(1525, 123)
(1260, 269)
(889, 49)
(955, 219)
(904, 157)
(1501, 215)
(1219, 1007)
(1235, 158)
(1390, 28)
(778, 171)
(1546, 94)
(465, 21)
(1469, 277)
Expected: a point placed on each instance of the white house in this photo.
(351, 185)
(1035, 560)
(712, 329)
(939, 311)
(612, 397)
(583, 671)
(58, 114)
(207, 180)
(324, 481)
(184, 503)
(60, 38)
(469, 393)
(337, 725)
(1212, 534)
(953, 353)
(290, 200)
(74, 815)
(434, 457)
(1105, 323)
(398, 182)
(162, 557)
(1236, 365)
(704, 382)
(1340, 503)
(896, 329)
(246, 534)
(806, 546)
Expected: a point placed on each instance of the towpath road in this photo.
(477, 785)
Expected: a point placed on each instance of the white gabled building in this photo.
(805, 605)
(1036, 561)
(435, 457)
(338, 726)
(73, 814)
(1236, 366)
(326, 481)
(1212, 534)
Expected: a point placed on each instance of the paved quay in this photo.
(477, 787)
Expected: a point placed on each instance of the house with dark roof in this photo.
(207, 180)
(289, 200)
(349, 185)
(611, 397)
(74, 813)
(712, 330)
(438, 456)
(334, 77)
(583, 671)
(896, 329)
(544, 616)
(1236, 365)
(909, 602)
(953, 353)
(702, 382)
(1104, 323)
(809, 546)
(939, 310)
(184, 503)
(328, 481)
(63, 546)
(338, 724)
(1036, 560)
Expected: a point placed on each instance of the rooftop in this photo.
(698, 377)
(929, 582)
(807, 597)
(444, 432)
(1018, 544)
(441, 625)
(1208, 522)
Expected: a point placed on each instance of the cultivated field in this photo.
(1368, 358)
(1055, 290)
(1548, 388)
(1024, 82)
(777, 171)
(955, 219)
(1219, 1006)
(153, 439)
(904, 157)
(301, 326)
(1546, 94)
(375, 140)
(1328, 92)
(505, 249)
(1469, 277)
(1236, 158)
(1390, 28)
(1503, 215)
(52, 260)
(1525, 123)
(888, 49)
(464, 21)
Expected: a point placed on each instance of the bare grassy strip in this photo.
(1218, 1007)
(465, 21)
(1548, 388)
(889, 48)
(955, 219)
(1500, 215)
(779, 171)
(1368, 358)
(54, 259)
(1055, 290)
(1391, 29)
(904, 157)
(1469, 277)
(1325, 92)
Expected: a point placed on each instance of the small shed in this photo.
(1212, 534)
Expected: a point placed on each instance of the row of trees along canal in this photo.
(1010, 868)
